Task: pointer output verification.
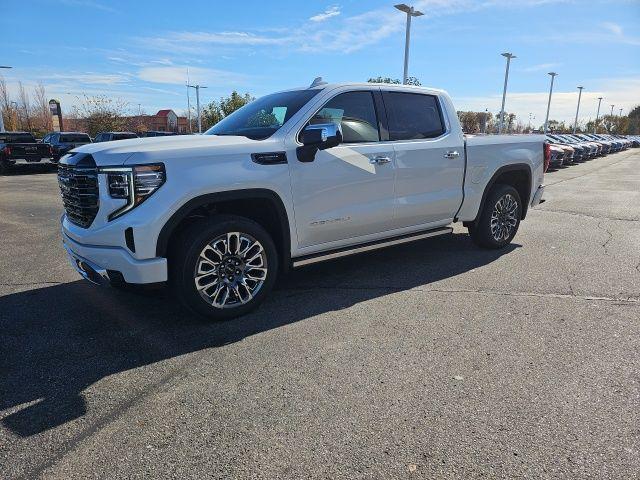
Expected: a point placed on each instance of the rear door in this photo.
(347, 191)
(429, 159)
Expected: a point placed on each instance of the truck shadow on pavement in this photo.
(59, 340)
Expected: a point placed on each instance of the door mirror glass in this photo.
(322, 135)
(318, 137)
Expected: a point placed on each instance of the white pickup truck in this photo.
(292, 178)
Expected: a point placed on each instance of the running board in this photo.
(365, 247)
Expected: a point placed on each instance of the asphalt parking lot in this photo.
(434, 359)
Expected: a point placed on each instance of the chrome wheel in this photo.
(504, 218)
(230, 270)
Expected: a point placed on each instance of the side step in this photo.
(365, 247)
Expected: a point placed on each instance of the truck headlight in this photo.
(134, 184)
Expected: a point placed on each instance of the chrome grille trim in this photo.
(79, 192)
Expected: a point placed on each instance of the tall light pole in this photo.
(508, 56)
(1, 119)
(198, 87)
(546, 120)
(595, 128)
(189, 109)
(612, 110)
(620, 113)
(411, 12)
(575, 124)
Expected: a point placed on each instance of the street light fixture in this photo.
(595, 128)
(546, 120)
(620, 112)
(1, 119)
(508, 56)
(411, 12)
(198, 87)
(575, 123)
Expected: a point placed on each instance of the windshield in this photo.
(263, 117)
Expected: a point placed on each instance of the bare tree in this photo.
(5, 106)
(100, 113)
(42, 114)
(24, 109)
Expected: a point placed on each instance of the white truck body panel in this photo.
(337, 200)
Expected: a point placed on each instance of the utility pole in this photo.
(508, 56)
(575, 124)
(595, 128)
(189, 109)
(546, 120)
(411, 12)
(1, 119)
(198, 87)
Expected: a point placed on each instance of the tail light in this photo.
(7, 151)
(50, 151)
(547, 156)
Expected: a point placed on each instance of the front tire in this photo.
(223, 267)
(500, 218)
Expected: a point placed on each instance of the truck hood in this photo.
(162, 149)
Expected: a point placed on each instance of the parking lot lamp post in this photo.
(620, 113)
(508, 56)
(198, 87)
(1, 119)
(411, 12)
(546, 120)
(575, 124)
(595, 128)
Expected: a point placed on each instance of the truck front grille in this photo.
(79, 191)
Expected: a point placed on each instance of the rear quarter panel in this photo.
(488, 154)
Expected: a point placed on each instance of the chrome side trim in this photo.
(370, 246)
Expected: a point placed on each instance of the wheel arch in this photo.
(264, 206)
(518, 175)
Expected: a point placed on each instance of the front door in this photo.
(347, 191)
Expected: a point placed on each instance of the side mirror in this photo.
(318, 137)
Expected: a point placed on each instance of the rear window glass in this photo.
(413, 116)
(74, 138)
(123, 136)
(17, 138)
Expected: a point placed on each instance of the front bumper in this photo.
(102, 264)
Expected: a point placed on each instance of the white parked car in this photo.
(292, 178)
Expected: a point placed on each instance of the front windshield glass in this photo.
(263, 117)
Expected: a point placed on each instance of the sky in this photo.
(140, 51)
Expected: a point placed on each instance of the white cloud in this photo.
(91, 78)
(613, 28)
(541, 67)
(177, 75)
(88, 4)
(328, 13)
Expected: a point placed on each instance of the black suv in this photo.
(111, 136)
(62, 142)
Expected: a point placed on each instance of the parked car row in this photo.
(23, 147)
(577, 147)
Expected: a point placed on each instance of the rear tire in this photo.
(500, 218)
(223, 266)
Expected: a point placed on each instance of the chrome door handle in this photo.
(452, 154)
(379, 160)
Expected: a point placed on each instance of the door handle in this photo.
(452, 154)
(379, 160)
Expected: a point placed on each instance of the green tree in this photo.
(218, 109)
(395, 81)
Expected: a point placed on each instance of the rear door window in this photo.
(413, 116)
(74, 138)
(355, 112)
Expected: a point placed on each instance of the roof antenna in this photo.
(317, 82)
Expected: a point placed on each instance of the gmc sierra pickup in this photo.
(292, 178)
(21, 147)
